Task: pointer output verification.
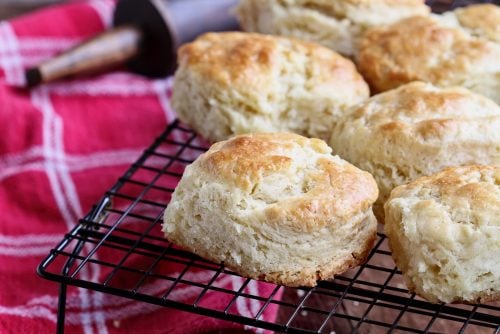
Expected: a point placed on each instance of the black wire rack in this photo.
(124, 230)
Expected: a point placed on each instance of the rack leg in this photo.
(61, 309)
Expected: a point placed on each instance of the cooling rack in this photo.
(125, 226)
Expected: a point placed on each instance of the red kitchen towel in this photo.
(61, 146)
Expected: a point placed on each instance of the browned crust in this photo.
(336, 9)
(246, 61)
(454, 182)
(482, 19)
(338, 191)
(416, 3)
(414, 49)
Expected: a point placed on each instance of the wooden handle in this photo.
(111, 48)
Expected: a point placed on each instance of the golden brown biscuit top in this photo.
(481, 19)
(470, 194)
(250, 62)
(417, 101)
(420, 48)
(425, 111)
(296, 177)
(350, 8)
(331, 3)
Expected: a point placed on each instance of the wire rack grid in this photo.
(122, 237)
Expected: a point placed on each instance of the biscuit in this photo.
(235, 83)
(332, 23)
(416, 130)
(425, 49)
(480, 20)
(275, 206)
(444, 232)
